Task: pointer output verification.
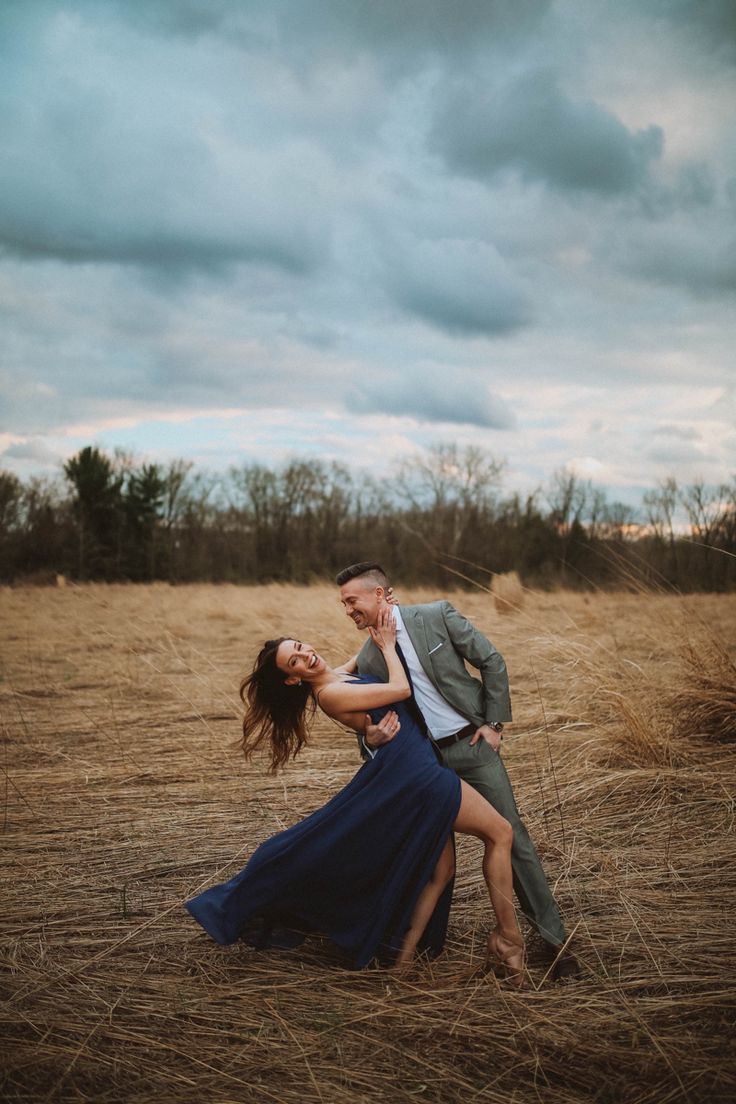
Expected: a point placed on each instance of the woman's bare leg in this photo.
(477, 818)
(442, 875)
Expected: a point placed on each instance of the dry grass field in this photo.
(123, 793)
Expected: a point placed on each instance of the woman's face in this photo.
(298, 661)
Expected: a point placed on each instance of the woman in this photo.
(373, 868)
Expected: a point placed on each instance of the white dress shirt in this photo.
(442, 720)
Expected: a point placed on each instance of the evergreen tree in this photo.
(98, 508)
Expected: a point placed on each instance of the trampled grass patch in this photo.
(123, 794)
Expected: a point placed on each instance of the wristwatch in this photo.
(496, 726)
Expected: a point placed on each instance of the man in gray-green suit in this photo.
(462, 714)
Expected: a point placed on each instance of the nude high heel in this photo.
(510, 956)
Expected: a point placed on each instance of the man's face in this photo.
(361, 600)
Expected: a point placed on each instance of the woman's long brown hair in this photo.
(275, 714)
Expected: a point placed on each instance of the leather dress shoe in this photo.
(566, 968)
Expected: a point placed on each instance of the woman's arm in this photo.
(349, 697)
(357, 720)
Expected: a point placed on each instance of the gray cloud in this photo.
(211, 204)
(120, 155)
(462, 286)
(176, 210)
(712, 21)
(677, 452)
(84, 343)
(701, 258)
(684, 433)
(188, 18)
(34, 451)
(696, 187)
(413, 25)
(530, 125)
(383, 26)
(693, 191)
(439, 394)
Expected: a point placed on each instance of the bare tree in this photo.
(660, 505)
(449, 489)
(706, 508)
(567, 497)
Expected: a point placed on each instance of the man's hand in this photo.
(485, 732)
(383, 732)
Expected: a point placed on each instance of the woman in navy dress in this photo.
(373, 868)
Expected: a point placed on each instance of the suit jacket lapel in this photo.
(414, 625)
(371, 661)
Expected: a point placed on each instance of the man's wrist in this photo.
(497, 726)
(368, 747)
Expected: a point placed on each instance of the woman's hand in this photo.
(384, 634)
(382, 733)
(340, 697)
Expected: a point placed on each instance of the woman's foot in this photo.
(508, 952)
(401, 968)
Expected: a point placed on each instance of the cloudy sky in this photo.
(236, 230)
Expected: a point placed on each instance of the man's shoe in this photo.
(566, 968)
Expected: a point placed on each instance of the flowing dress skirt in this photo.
(354, 869)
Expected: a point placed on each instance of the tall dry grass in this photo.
(705, 704)
(507, 591)
(123, 794)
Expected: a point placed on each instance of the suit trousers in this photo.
(482, 768)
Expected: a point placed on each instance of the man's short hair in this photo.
(373, 571)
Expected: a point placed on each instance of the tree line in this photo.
(443, 515)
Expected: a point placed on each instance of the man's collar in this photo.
(398, 619)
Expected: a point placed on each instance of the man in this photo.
(463, 715)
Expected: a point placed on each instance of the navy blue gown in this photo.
(352, 870)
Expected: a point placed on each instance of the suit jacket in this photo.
(443, 639)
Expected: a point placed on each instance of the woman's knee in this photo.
(502, 834)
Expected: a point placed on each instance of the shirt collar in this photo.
(398, 619)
